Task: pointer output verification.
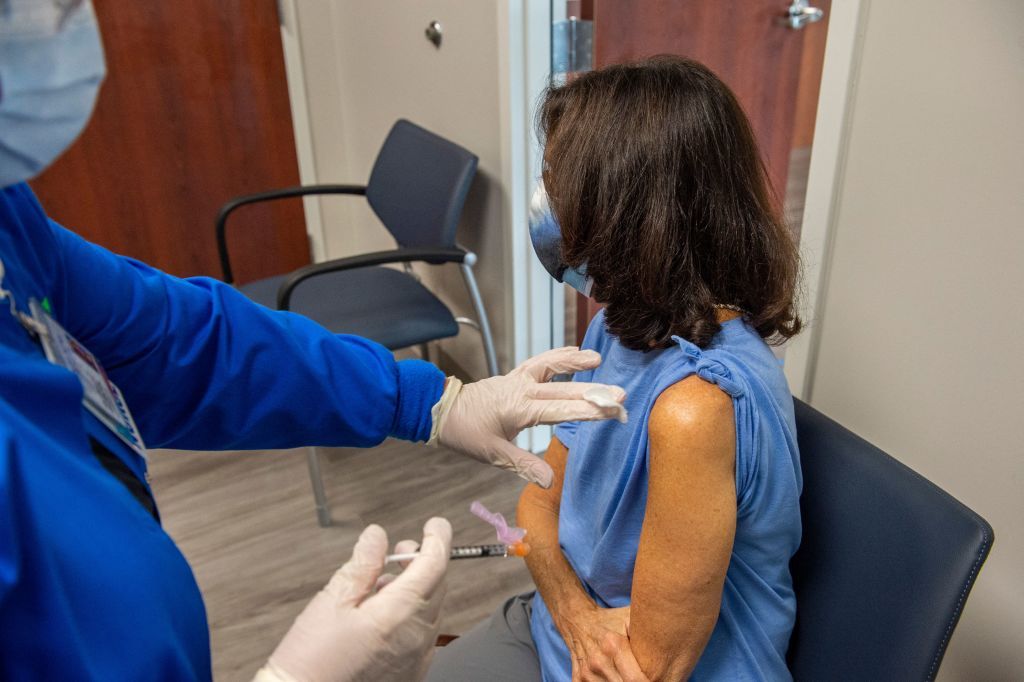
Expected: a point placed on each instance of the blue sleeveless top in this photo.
(605, 493)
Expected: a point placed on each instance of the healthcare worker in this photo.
(91, 587)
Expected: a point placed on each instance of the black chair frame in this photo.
(464, 258)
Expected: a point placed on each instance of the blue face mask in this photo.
(546, 236)
(51, 68)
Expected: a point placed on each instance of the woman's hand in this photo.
(597, 638)
(599, 645)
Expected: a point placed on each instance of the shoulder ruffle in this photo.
(709, 369)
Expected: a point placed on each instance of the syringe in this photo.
(519, 549)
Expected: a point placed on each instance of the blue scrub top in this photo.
(91, 587)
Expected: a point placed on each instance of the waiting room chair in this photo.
(886, 562)
(417, 188)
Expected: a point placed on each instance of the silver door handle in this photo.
(800, 14)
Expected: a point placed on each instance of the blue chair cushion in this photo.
(382, 304)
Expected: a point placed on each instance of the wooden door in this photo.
(745, 43)
(194, 111)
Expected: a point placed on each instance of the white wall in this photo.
(921, 335)
(367, 64)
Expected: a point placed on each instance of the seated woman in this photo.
(663, 545)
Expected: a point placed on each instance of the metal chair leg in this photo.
(481, 315)
(323, 512)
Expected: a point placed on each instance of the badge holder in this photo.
(101, 396)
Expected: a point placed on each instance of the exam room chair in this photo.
(417, 189)
(886, 562)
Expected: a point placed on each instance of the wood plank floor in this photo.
(246, 522)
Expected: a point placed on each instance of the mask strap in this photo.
(66, 9)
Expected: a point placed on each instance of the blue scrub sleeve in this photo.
(203, 367)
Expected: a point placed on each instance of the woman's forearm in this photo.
(672, 616)
(554, 577)
(538, 513)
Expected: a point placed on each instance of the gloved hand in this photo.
(347, 633)
(480, 419)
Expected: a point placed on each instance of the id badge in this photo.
(101, 397)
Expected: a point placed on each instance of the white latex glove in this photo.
(348, 632)
(480, 419)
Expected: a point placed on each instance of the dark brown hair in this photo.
(655, 177)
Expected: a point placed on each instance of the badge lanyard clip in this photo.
(30, 325)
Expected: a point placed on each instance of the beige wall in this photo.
(922, 335)
(367, 64)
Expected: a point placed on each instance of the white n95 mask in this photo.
(51, 68)
(546, 235)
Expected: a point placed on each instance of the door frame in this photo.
(301, 125)
(538, 302)
(828, 161)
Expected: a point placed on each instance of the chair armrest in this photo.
(271, 195)
(404, 255)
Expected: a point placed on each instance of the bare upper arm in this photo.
(689, 525)
(692, 423)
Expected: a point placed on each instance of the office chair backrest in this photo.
(418, 185)
(886, 562)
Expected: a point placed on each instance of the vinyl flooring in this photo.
(247, 525)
